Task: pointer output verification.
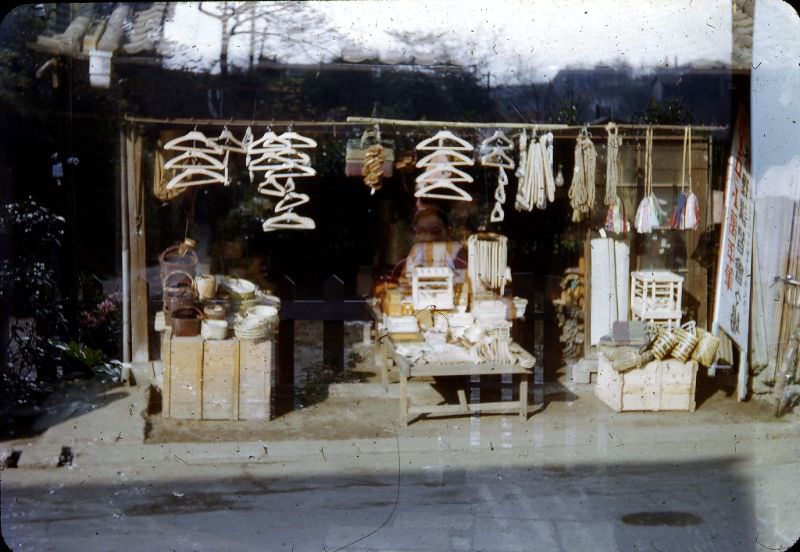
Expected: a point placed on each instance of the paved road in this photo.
(733, 491)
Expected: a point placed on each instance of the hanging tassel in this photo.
(677, 219)
(691, 214)
(643, 217)
(657, 213)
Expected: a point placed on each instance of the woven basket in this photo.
(206, 285)
(685, 345)
(177, 291)
(177, 257)
(663, 344)
(706, 350)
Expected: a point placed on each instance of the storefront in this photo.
(447, 298)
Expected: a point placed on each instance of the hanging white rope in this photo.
(582, 188)
(648, 215)
(686, 213)
(546, 144)
(613, 164)
(616, 221)
(524, 198)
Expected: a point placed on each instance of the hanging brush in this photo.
(686, 213)
(648, 214)
(616, 221)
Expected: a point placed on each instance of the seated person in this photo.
(432, 247)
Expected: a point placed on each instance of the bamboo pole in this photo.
(370, 121)
(191, 121)
(125, 254)
(520, 126)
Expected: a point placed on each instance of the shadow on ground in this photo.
(701, 505)
(69, 400)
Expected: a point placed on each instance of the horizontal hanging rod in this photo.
(537, 126)
(453, 124)
(368, 121)
(232, 122)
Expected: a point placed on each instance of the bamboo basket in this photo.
(663, 344)
(686, 342)
(706, 350)
(180, 256)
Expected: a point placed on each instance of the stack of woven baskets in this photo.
(179, 295)
(685, 343)
(208, 305)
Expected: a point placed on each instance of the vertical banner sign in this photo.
(732, 296)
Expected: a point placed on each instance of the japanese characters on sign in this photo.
(732, 312)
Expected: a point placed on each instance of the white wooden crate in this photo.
(656, 295)
(656, 386)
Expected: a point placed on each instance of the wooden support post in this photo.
(138, 255)
(166, 361)
(741, 386)
(523, 396)
(403, 395)
(284, 377)
(462, 399)
(333, 330)
(696, 284)
(587, 297)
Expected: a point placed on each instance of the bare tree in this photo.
(268, 24)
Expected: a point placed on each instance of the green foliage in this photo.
(17, 62)
(28, 286)
(93, 361)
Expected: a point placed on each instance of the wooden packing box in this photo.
(228, 379)
(656, 386)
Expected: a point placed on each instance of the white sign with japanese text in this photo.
(732, 305)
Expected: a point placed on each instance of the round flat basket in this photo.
(239, 288)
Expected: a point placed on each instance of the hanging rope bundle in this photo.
(613, 163)
(616, 221)
(536, 184)
(582, 188)
(372, 169)
(524, 199)
(649, 214)
(686, 213)
(544, 183)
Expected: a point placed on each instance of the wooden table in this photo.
(408, 370)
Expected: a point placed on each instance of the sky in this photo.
(517, 41)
